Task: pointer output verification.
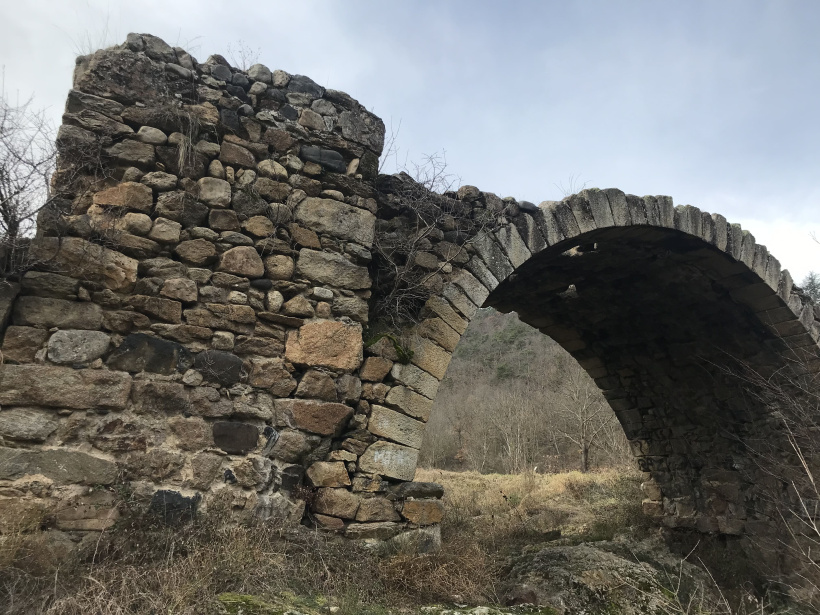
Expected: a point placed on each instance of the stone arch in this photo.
(654, 302)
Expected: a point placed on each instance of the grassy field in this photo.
(211, 566)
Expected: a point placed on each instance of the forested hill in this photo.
(512, 400)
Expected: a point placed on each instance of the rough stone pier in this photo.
(190, 328)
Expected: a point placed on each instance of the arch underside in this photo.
(663, 322)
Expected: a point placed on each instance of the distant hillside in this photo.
(512, 400)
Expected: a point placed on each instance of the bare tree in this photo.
(27, 156)
(584, 414)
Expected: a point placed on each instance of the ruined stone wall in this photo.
(190, 330)
(190, 326)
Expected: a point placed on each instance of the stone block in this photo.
(376, 509)
(323, 418)
(418, 490)
(140, 352)
(85, 260)
(431, 358)
(47, 312)
(20, 344)
(44, 284)
(222, 367)
(234, 437)
(410, 402)
(330, 344)
(128, 195)
(328, 474)
(65, 467)
(416, 379)
(196, 252)
(193, 434)
(336, 503)
(423, 512)
(242, 261)
(337, 219)
(63, 387)
(29, 424)
(332, 269)
(375, 369)
(96, 511)
(373, 531)
(77, 346)
(395, 426)
(390, 460)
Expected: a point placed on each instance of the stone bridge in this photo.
(191, 322)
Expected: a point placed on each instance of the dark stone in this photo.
(194, 164)
(229, 477)
(528, 207)
(245, 111)
(235, 90)
(194, 214)
(305, 85)
(281, 319)
(140, 352)
(248, 204)
(290, 477)
(419, 490)
(222, 367)
(234, 437)
(276, 94)
(240, 80)
(173, 507)
(262, 284)
(223, 73)
(289, 112)
(328, 158)
(230, 119)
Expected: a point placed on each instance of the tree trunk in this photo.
(584, 458)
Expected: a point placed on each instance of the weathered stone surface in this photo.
(164, 309)
(22, 343)
(165, 231)
(326, 344)
(234, 437)
(317, 385)
(129, 195)
(64, 466)
(204, 469)
(423, 512)
(337, 219)
(140, 352)
(416, 379)
(221, 367)
(181, 289)
(77, 346)
(63, 387)
(336, 503)
(85, 260)
(242, 261)
(96, 511)
(272, 170)
(196, 252)
(375, 369)
(328, 474)
(430, 357)
(193, 434)
(134, 153)
(332, 269)
(292, 445)
(236, 318)
(376, 509)
(47, 312)
(30, 424)
(236, 155)
(279, 267)
(324, 418)
(395, 426)
(391, 460)
(44, 284)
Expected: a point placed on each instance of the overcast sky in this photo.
(715, 103)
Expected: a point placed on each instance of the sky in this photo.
(714, 103)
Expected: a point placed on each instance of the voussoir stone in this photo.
(63, 387)
(243, 261)
(395, 426)
(77, 346)
(331, 344)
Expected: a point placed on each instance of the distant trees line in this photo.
(513, 401)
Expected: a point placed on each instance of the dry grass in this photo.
(141, 567)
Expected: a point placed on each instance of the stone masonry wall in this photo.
(190, 331)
